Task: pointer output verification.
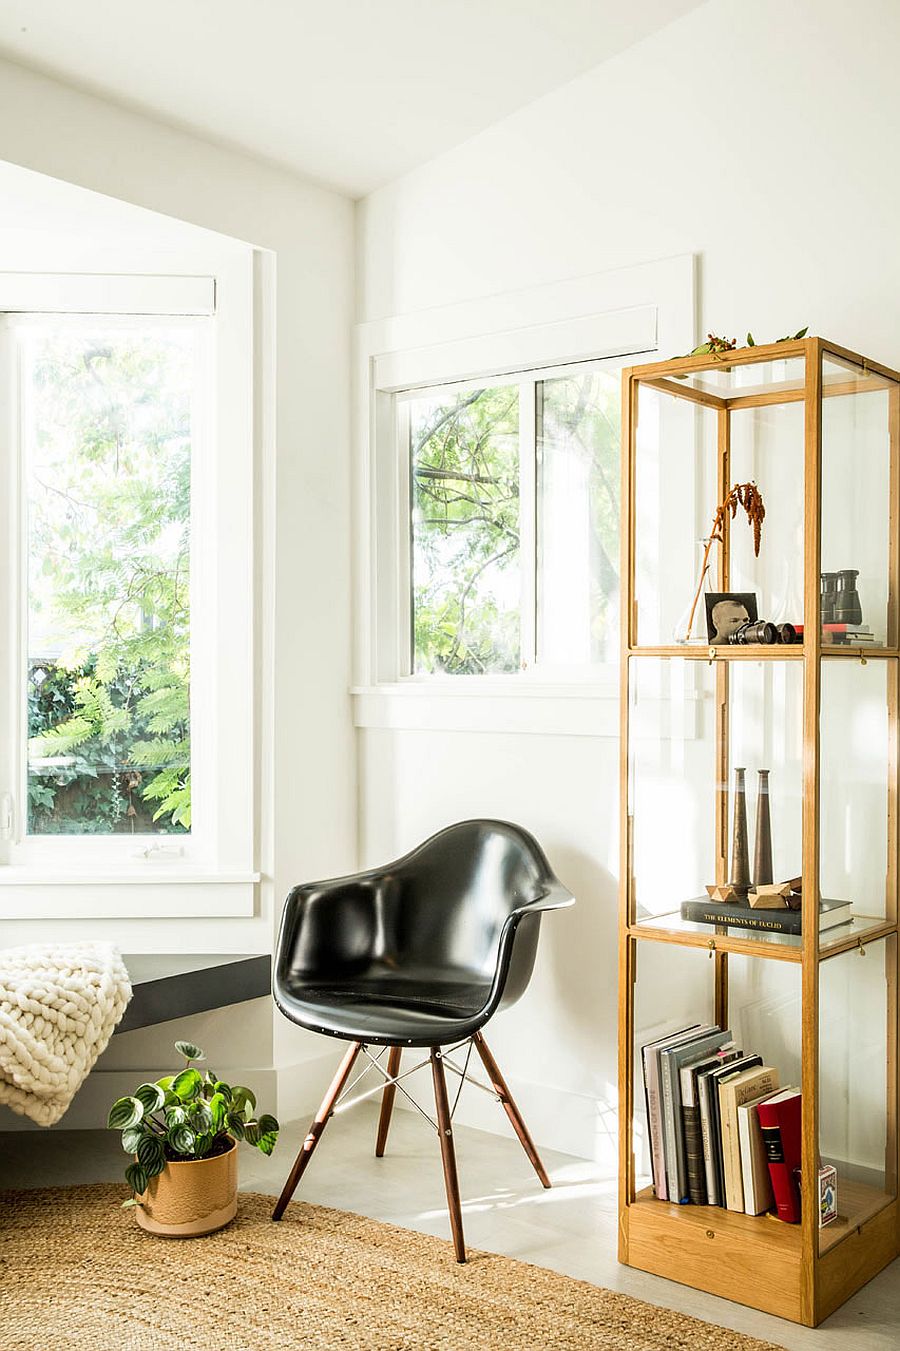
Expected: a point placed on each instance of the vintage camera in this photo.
(760, 631)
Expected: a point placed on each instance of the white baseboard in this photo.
(99, 1091)
(302, 1086)
(557, 1119)
(289, 1092)
(571, 1123)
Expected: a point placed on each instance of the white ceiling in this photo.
(350, 92)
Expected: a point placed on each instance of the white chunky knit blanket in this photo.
(59, 1005)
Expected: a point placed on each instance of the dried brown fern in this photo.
(749, 498)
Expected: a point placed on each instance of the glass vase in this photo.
(691, 626)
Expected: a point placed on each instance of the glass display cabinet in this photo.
(779, 655)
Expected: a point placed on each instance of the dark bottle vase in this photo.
(740, 853)
(762, 853)
(847, 607)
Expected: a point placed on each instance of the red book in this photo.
(839, 628)
(779, 1122)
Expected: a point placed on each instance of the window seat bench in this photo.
(168, 986)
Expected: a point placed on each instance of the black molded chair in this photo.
(419, 953)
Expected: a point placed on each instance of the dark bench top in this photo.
(167, 986)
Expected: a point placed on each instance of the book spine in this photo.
(715, 1137)
(787, 1200)
(731, 1151)
(709, 1163)
(754, 1169)
(693, 1148)
(773, 921)
(748, 1176)
(654, 1125)
(674, 1178)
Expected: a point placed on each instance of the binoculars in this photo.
(763, 631)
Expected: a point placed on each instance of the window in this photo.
(109, 417)
(127, 713)
(514, 523)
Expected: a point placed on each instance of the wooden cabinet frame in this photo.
(779, 1268)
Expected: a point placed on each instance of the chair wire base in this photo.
(389, 1080)
(338, 1099)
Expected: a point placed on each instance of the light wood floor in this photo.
(570, 1228)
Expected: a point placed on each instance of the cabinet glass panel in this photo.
(857, 1082)
(692, 725)
(857, 841)
(749, 428)
(767, 449)
(674, 480)
(858, 410)
(763, 1024)
(783, 378)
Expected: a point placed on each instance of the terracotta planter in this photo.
(192, 1197)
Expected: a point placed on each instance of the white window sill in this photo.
(156, 892)
(154, 875)
(492, 704)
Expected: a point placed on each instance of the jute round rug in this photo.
(77, 1273)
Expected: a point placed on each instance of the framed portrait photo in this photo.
(726, 612)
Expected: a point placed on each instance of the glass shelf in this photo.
(672, 928)
(776, 652)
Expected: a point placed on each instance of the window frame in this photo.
(533, 668)
(218, 855)
(608, 317)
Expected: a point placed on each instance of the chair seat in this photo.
(416, 1008)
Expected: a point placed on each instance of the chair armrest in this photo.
(328, 929)
(554, 897)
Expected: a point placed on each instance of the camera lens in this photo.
(762, 631)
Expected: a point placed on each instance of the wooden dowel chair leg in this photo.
(319, 1123)
(499, 1085)
(448, 1157)
(387, 1101)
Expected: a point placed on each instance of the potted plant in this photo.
(182, 1132)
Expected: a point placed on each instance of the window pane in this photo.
(466, 583)
(107, 416)
(578, 517)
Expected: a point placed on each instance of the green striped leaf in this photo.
(187, 1084)
(136, 1178)
(123, 1113)
(151, 1155)
(150, 1096)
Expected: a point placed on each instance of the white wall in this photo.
(304, 235)
(756, 136)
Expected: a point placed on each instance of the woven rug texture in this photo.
(77, 1274)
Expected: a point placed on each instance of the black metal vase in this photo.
(762, 853)
(740, 851)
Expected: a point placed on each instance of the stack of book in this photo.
(722, 1131)
(850, 635)
(742, 915)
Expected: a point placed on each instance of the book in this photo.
(757, 1185)
(650, 1061)
(779, 1122)
(734, 1091)
(708, 1095)
(702, 910)
(690, 1117)
(833, 626)
(671, 1060)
